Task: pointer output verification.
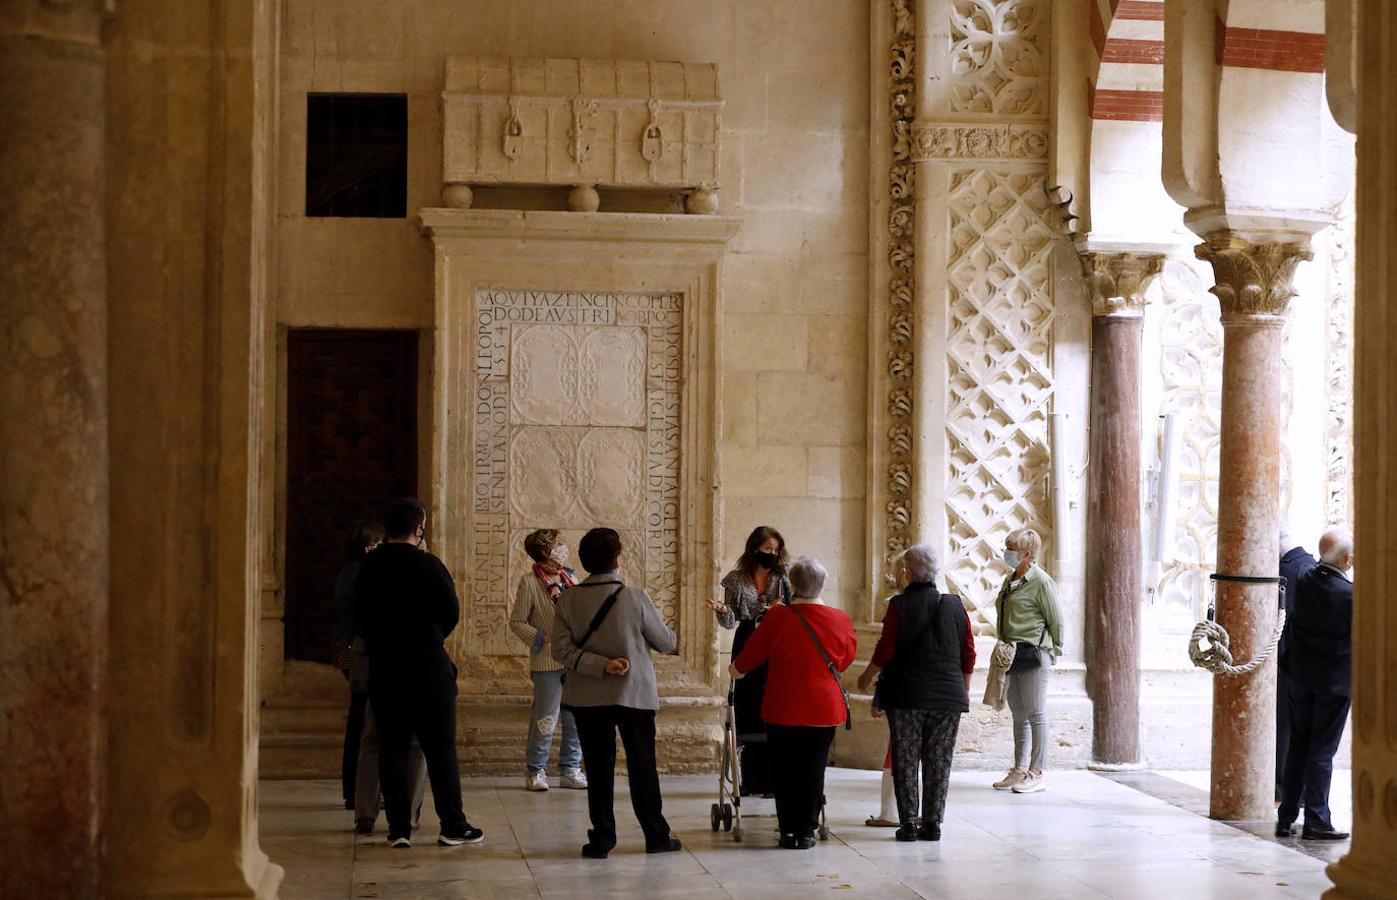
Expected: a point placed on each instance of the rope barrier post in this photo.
(1208, 645)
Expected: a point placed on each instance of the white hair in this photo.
(807, 577)
(919, 563)
(1335, 547)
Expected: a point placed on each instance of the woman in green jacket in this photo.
(1028, 618)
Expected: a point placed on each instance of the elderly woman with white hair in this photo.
(924, 656)
(805, 646)
(1029, 619)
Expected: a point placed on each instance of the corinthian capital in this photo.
(1253, 278)
(1118, 278)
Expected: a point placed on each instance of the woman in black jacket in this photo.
(925, 656)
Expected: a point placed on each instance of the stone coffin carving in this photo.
(614, 123)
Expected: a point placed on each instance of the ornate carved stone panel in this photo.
(999, 59)
(999, 347)
(577, 424)
(1338, 370)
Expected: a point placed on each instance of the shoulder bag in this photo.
(829, 664)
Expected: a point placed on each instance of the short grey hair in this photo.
(807, 577)
(919, 564)
(1335, 546)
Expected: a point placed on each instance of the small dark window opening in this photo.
(356, 155)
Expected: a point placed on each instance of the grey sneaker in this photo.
(1031, 784)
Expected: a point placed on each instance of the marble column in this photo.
(1117, 281)
(53, 450)
(1253, 287)
(1369, 870)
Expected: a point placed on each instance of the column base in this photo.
(1355, 880)
(1096, 766)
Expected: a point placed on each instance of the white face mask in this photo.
(1011, 558)
(559, 554)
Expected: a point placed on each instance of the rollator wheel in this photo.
(727, 817)
(715, 816)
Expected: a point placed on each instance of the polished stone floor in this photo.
(1085, 837)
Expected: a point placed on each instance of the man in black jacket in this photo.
(1318, 663)
(1295, 561)
(407, 606)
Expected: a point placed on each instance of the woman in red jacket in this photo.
(804, 702)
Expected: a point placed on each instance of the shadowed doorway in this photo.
(351, 447)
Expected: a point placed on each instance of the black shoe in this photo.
(787, 842)
(929, 833)
(349, 804)
(1322, 834)
(363, 826)
(667, 846)
(592, 851)
(1285, 829)
(469, 836)
(906, 833)
(804, 842)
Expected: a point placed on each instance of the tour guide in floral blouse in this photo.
(756, 584)
(804, 701)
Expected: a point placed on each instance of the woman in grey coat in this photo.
(603, 634)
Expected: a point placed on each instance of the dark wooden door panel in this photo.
(351, 447)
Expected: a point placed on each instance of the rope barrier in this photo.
(1209, 643)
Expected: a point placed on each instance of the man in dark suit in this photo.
(1295, 561)
(1318, 662)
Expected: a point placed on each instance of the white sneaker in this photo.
(1032, 784)
(536, 781)
(575, 780)
(399, 843)
(1015, 776)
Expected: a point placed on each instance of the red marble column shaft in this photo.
(1113, 541)
(1244, 732)
(53, 454)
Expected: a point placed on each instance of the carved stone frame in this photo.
(478, 249)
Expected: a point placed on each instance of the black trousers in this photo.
(1282, 727)
(419, 702)
(596, 730)
(799, 779)
(747, 694)
(354, 726)
(1316, 727)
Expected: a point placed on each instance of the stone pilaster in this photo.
(53, 450)
(1117, 282)
(1369, 870)
(1253, 287)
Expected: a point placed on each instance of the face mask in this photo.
(1011, 558)
(559, 554)
(766, 560)
(422, 543)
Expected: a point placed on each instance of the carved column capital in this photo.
(1254, 279)
(1117, 279)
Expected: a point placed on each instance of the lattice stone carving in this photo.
(577, 424)
(1191, 365)
(999, 56)
(999, 347)
(1338, 372)
(901, 252)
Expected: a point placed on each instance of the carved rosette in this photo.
(1254, 280)
(901, 250)
(1117, 280)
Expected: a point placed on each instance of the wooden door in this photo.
(351, 447)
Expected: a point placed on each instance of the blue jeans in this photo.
(543, 721)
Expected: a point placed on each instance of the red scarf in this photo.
(554, 582)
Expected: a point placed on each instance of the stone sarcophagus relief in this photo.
(580, 122)
(577, 424)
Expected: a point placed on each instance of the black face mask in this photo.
(766, 560)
